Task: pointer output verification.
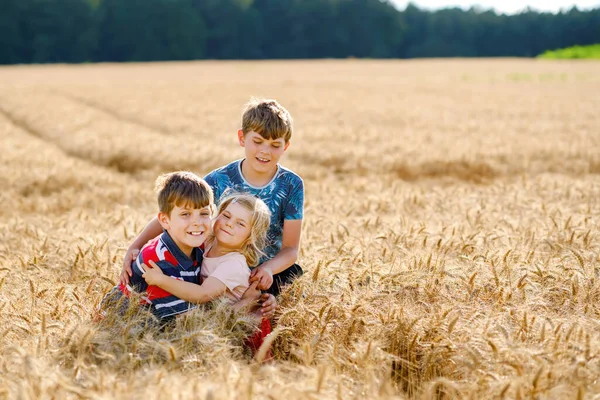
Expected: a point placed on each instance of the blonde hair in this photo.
(268, 118)
(260, 221)
(182, 188)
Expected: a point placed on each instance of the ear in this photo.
(286, 146)
(241, 138)
(164, 220)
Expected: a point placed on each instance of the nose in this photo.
(265, 147)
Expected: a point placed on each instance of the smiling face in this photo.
(262, 155)
(188, 227)
(232, 227)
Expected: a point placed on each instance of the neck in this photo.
(256, 178)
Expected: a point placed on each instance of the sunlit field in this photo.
(451, 238)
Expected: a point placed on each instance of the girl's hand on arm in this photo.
(153, 275)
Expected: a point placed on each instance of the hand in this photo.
(249, 298)
(269, 305)
(263, 275)
(126, 271)
(152, 274)
(252, 293)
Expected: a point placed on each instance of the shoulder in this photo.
(226, 170)
(157, 250)
(289, 177)
(151, 250)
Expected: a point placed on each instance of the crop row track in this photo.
(97, 137)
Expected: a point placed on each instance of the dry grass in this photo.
(451, 237)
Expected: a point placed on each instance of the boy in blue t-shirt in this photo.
(265, 136)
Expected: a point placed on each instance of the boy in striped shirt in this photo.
(185, 202)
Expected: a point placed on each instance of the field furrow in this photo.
(92, 135)
(117, 114)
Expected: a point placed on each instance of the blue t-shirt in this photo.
(284, 196)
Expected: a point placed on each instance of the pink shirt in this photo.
(231, 269)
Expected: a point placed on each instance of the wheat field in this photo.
(450, 241)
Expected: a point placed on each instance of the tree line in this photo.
(73, 31)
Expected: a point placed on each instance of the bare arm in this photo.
(152, 230)
(249, 299)
(188, 291)
(290, 243)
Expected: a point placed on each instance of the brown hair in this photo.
(268, 118)
(182, 188)
(259, 224)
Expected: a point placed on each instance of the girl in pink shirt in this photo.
(238, 237)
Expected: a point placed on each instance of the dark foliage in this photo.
(50, 31)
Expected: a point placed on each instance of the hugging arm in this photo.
(249, 299)
(210, 289)
(290, 244)
(293, 212)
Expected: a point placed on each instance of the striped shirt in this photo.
(174, 263)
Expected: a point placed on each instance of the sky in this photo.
(503, 6)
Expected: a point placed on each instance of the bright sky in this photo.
(504, 6)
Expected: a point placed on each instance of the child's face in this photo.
(262, 154)
(188, 227)
(232, 226)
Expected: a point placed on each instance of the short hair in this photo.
(268, 118)
(182, 188)
(259, 224)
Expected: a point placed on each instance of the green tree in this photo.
(50, 30)
(11, 34)
(233, 28)
(149, 30)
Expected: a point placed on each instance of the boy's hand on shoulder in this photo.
(153, 274)
(126, 271)
(263, 275)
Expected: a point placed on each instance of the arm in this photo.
(290, 243)
(293, 212)
(250, 298)
(152, 230)
(210, 288)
